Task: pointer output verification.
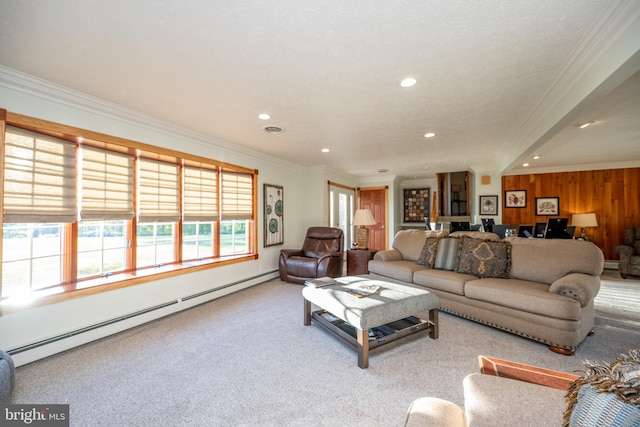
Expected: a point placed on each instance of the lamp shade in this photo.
(584, 220)
(363, 217)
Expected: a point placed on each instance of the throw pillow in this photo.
(484, 258)
(428, 254)
(607, 395)
(446, 253)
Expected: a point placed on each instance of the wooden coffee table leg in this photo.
(363, 348)
(433, 318)
(307, 312)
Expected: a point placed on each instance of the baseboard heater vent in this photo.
(228, 285)
(89, 328)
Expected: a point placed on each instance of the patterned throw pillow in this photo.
(607, 395)
(484, 258)
(428, 254)
(446, 253)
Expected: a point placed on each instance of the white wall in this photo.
(25, 95)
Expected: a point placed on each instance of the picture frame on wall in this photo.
(488, 205)
(273, 215)
(515, 199)
(416, 204)
(547, 206)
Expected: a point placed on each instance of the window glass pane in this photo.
(234, 238)
(102, 247)
(155, 244)
(31, 257)
(197, 240)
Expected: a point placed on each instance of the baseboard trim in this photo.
(47, 347)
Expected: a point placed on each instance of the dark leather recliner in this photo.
(321, 255)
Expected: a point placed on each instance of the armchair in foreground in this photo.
(321, 255)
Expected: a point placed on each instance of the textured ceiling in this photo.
(328, 73)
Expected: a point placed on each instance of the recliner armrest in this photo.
(286, 253)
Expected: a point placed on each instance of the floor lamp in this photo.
(584, 220)
(361, 219)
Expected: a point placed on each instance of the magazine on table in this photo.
(320, 282)
(363, 290)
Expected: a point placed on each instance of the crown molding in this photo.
(610, 43)
(34, 86)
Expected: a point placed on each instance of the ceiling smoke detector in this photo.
(272, 129)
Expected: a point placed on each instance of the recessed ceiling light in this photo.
(383, 170)
(325, 150)
(264, 116)
(536, 157)
(408, 82)
(584, 125)
(429, 135)
(272, 129)
(525, 165)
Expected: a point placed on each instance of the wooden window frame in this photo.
(71, 287)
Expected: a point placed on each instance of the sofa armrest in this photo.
(431, 411)
(531, 374)
(579, 286)
(388, 255)
(624, 251)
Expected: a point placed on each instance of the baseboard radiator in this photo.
(47, 347)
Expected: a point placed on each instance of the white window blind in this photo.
(200, 194)
(107, 185)
(159, 192)
(39, 178)
(237, 196)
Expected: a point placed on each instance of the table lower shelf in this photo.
(377, 336)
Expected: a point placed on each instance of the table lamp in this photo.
(584, 220)
(362, 218)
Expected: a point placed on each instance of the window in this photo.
(80, 210)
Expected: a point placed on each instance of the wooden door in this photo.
(375, 199)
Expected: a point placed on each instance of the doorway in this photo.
(341, 208)
(375, 199)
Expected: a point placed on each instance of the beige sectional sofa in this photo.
(542, 289)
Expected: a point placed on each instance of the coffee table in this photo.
(371, 321)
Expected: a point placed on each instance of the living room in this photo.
(44, 92)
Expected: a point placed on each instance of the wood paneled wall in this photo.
(613, 194)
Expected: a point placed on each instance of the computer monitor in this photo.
(557, 229)
(539, 230)
(487, 224)
(525, 231)
(459, 226)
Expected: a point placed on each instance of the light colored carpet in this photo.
(247, 360)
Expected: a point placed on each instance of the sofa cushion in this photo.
(484, 235)
(428, 254)
(399, 270)
(411, 242)
(447, 253)
(483, 258)
(547, 260)
(607, 395)
(443, 280)
(531, 297)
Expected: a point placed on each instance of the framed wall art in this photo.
(488, 205)
(515, 199)
(273, 215)
(416, 204)
(547, 206)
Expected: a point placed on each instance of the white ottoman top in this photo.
(392, 302)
